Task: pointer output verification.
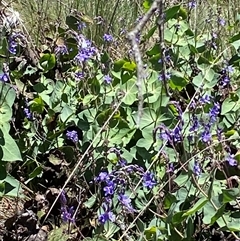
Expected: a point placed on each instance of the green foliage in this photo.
(75, 114)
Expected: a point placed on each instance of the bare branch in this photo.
(137, 53)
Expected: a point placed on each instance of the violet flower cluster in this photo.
(107, 37)
(13, 42)
(204, 127)
(86, 50)
(225, 73)
(116, 184)
(61, 50)
(72, 135)
(26, 110)
(67, 213)
(4, 77)
(173, 136)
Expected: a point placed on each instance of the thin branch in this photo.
(132, 36)
(160, 23)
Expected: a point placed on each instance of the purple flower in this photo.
(79, 75)
(149, 180)
(229, 69)
(72, 135)
(177, 135)
(63, 199)
(126, 202)
(122, 162)
(27, 113)
(165, 134)
(214, 35)
(170, 168)
(61, 50)
(4, 77)
(206, 135)
(225, 80)
(103, 177)
(81, 25)
(192, 4)
(219, 133)
(67, 214)
(167, 77)
(221, 21)
(107, 79)
(107, 37)
(205, 99)
(138, 36)
(103, 218)
(109, 189)
(12, 43)
(85, 49)
(214, 112)
(231, 161)
(195, 124)
(197, 169)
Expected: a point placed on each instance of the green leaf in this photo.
(150, 232)
(47, 62)
(190, 229)
(218, 214)
(37, 105)
(234, 224)
(59, 234)
(35, 172)
(72, 22)
(105, 57)
(227, 106)
(209, 210)
(154, 51)
(13, 187)
(169, 200)
(234, 38)
(131, 92)
(10, 150)
(177, 81)
(8, 94)
(230, 194)
(178, 217)
(236, 45)
(147, 4)
(184, 14)
(145, 143)
(198, 205)
(110, 229)
(181, 179)
(129, 66)
(95, 86)
(55, 160)
(148, 118)
(198, 80)
(130, 98)
(5, 113)
(91, 201)
(118, 64)
(66, 113)
(150, 33)
(171, 12)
